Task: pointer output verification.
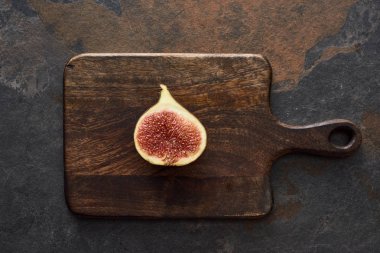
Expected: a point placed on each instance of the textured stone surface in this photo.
(326, 60)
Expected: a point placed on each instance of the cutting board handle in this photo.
(319, 138)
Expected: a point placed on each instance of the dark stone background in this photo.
(326, 63)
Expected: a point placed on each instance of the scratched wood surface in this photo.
(105, 94)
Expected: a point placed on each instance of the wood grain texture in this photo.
(105, 94)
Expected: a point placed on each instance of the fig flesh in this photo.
(167, 134)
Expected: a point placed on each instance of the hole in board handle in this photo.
(342, 137)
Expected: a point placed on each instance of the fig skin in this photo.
(168, 105)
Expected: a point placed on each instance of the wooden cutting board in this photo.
(105, 94)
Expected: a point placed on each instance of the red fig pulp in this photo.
(168, 134)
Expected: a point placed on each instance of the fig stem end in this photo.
(165, 96)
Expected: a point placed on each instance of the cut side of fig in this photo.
(167, 134)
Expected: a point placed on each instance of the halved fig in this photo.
(167, 134)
